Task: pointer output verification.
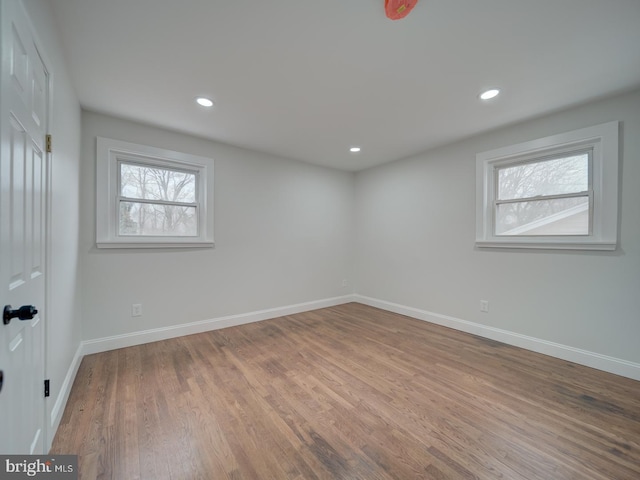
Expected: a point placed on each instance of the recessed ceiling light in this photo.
(489, 94)
(204, 101)
(354, 149)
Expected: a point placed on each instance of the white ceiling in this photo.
(306, 79)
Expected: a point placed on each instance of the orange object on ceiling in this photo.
(397, 9)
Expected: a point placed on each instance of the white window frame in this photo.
(602, 141)
(109, 154)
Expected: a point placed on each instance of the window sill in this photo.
(163, 244)
(551, 245)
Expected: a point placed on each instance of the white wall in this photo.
(283, 236)
(415, 245)
(64, 329)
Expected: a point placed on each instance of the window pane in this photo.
(547, 177)
(152, 219)
(561, 216)
(152, 183)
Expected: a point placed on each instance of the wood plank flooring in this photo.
(348, 392)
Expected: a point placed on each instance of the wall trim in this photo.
(63, 395)
(606, 363)
(104, 344)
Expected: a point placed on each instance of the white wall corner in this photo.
(583, 357)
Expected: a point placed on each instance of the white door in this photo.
(23, 178)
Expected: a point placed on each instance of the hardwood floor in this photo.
(348, 392)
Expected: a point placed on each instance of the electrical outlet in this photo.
(136, 310)
(484, 306)
(345, 282)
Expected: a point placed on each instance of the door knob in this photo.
(26, 312)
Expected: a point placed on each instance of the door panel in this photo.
(16, 199)
(24, 87)
(36, 175)
(19, 64)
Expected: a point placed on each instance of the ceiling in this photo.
(308, 79)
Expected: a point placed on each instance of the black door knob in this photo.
(26, 312)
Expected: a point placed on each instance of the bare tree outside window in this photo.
(544, 197)
(157, 201)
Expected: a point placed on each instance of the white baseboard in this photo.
(583, 357)
(146, 336)
(63, 395)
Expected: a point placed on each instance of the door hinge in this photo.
(46, 388)
(48, 143)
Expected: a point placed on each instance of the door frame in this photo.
(46, 62)
(48, 438)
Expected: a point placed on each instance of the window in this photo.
(549, 196)
(150, 197)
(555, 192)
